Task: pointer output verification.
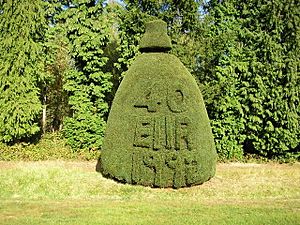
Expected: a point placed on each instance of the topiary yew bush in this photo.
(158, 132)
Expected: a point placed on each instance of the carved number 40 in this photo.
(173, 97)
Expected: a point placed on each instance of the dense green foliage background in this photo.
(68, 58)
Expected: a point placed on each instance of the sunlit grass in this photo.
(60, 192)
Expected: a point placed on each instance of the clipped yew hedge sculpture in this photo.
(158, 132)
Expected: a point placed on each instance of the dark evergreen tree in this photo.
(58, 64)
(22, 28)
(251, 71)
(87, 28)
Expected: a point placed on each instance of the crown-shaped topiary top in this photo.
(155, 38)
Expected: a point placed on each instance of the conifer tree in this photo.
(87, 29)
(252, 76)
(58, 64)
(22, 27)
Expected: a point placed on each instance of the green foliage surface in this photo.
(182, 18)
(155, 37)
(158, 132)
(87, 83)
(50, 147)
(69, 57)
(251, 73)
(22, 26)
(58, 64)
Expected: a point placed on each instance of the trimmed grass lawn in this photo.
(62, 192)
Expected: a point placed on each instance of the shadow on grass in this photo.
(98, 165)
